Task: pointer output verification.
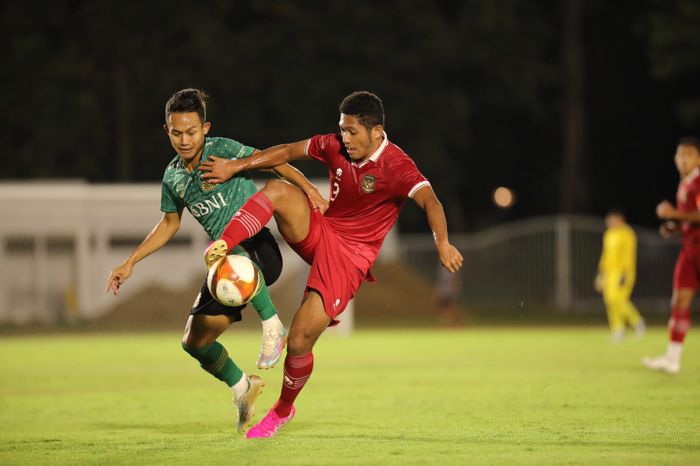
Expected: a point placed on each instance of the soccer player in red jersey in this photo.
(686, 276)
(370, 178)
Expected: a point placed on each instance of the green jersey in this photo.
(213, 205)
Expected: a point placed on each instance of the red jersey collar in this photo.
(376, 154)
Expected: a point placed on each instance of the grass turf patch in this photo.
(475, 396)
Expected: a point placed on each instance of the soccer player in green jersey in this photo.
(213, 205)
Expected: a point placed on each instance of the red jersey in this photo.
(688, 200)
(365, 197)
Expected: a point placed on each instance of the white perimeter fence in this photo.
(58, 242)
(546, 262)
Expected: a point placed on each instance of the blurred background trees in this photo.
(480, 93)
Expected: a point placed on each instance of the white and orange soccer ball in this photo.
(234, 280)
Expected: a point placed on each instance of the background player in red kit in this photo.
(370, 178)
(686, 276)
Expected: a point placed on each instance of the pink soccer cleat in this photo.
(269, 425)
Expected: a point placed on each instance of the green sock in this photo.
(214, 359)
(262, 302)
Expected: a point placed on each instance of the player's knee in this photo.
(613, 302)
(190, 343)
(187, 340)
(193, 350)
(276, 189)
(300, 343)
(188, 349)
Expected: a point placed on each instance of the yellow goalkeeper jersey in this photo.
(619, 252)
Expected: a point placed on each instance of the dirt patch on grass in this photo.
(399, 295)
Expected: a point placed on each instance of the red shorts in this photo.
(332, 275)
(687, 271)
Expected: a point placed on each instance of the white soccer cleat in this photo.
(245, 405)
(273, 342)
(662, 364)
(640, 329)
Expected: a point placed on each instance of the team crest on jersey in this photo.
(207, 186)
(368, 183)
(180, 190)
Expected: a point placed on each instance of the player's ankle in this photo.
(282, 409)
(674, 351)
(241, 387)
(227, 239)
(272, 322)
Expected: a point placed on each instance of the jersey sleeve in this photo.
(168, 200)
(408, 179)
(319, 147)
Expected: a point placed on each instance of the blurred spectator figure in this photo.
(447, 297)
(617, 271)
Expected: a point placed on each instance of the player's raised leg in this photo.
(308, 325)
(292, 214)
(286, 202)
(200, 342)
(678, 327)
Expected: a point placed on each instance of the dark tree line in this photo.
(481, 93)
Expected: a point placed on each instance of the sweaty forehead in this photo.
(183, 121)
(347, 121)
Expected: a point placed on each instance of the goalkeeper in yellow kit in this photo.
(616, 275)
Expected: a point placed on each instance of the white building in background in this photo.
(59, 241)
(62, 239)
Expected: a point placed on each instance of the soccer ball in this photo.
(234, 280)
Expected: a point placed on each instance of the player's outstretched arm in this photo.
(156, 239)
(450, 257)
(218, 170)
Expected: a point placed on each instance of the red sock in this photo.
(297, 370)
(250, 218)
(679, 324)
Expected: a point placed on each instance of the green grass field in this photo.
(475, 396)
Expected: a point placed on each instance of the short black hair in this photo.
(617, 210)
(188, 100)
(366, 106)
(690, 141)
